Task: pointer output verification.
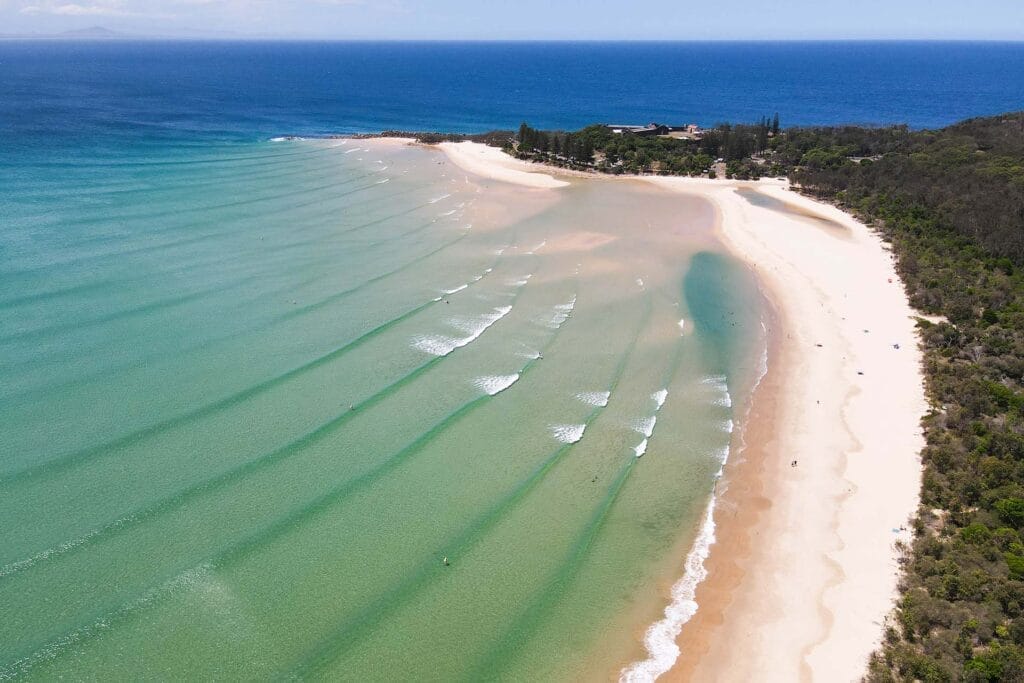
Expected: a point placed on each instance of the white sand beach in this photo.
(826, 474)
(817, 559)
(490, 162)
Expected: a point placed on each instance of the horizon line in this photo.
(72, 36)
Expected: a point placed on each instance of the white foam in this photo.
(447, 213)
(567, 307)
(568, 433)
(457, 289)
(640, 448)
(598, 399)
(556, 320)
(286, 138)
(354, 149)
(645, 425)
(727, 426)
(660, 638)
(521, 282)
(640, 282)
(495, 384)
(435, 200)
(442, 345)
(15, 567)
(659, 397)
(561, 313)
(682, 325)
(381, 182)
(718, 382)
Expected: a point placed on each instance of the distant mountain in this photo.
(104, 33)
(91, 33)
(98, 32)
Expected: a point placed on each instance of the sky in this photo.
(527, 19)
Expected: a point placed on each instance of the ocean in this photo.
(64, 92)
(294, 408)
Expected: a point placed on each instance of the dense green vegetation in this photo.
(952, 203)
(597, 148)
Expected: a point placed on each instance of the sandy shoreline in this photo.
(491, 162)
(841, 401)
(810, 604)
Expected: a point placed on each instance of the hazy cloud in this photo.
(96, 9)
(528, 19)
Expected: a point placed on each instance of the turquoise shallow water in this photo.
(253, 394)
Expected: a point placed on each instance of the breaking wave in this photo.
(721, 387)
(645, 425)
(568, 433)
(561, 313)
(598, 399)
(495, 384)
(442, 345)
(660, 638)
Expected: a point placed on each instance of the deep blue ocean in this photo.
(60, 93)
